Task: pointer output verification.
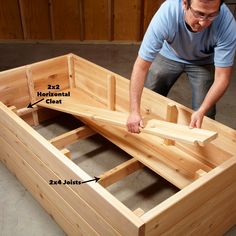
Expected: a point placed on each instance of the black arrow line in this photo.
(95, 179)
(31, 105)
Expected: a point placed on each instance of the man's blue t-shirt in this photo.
(169, 35)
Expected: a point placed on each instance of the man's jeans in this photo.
(164, 73)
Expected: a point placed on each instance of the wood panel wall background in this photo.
(121, 20)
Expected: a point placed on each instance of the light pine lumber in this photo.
(181, 133)
(156, 105)
(13, 108)
(82, 210)
(210, 215)
(153, 160)
(167, 214)
(71, 70)
(175, 166)
(156, 127)
(66, 152)
(32, 93)
(112, 176)
(139, 212)
(111, 92)
(108, 207)
(72, 136)
(171, 116)
(53, 203)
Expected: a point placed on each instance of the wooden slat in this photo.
(171, 116)
(10, 22)
(119, 172)
(185, 203)
(50, 72)
(14, 92)
(71, 137)
(78, 210)
(32, 93)
(127, 20)
(35, 19)
(111, 92)
(66, 152)
(150, 8)
(66, 18)
(139, 212)
(173, 165)
(181, 133)
(108, 207)
(71, 71)
(39, 186)
(96, 20)
(160, 128)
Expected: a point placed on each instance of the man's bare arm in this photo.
(138, 77)
(221, 82)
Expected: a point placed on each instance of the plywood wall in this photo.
(76, 19)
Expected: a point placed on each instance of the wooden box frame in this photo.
(205, 175)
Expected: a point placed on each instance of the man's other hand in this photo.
(196, 119)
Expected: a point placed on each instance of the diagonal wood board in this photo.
(159, 128)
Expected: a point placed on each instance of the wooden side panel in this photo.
(106, 215)
(10, 21)
(53, 203)
(203, 207)
(127, 20)
(150, 8)
(35, 19)
(14, 88)
(50, 72)
(66, 19)
(96, 16)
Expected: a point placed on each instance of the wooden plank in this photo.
(14, 92)
(78, 210)
(110, 177)
(171, 163)
(111, 20)
(150, 8)
(127, 20)
(10, 20)
(154, 160)
(96, 20)
(66, 152)
(139, 212)
(111, 92)
(32, 93)
(66, 18)
(181, 133)
(35, 19)
(114, 212)
(187, 201)
(171, 116)
(155, 127)
(71, 137)
(44, 192)
(50, 72)
(71, 71)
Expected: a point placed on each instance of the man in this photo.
(197, 37)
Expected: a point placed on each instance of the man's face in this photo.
(200, 14)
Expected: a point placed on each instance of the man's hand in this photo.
(134, 123)
(196, 119)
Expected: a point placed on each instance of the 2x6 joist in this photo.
(72, 136)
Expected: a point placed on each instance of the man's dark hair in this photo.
(189, 2)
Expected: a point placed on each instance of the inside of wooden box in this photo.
(133, 184)
(180, 164)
